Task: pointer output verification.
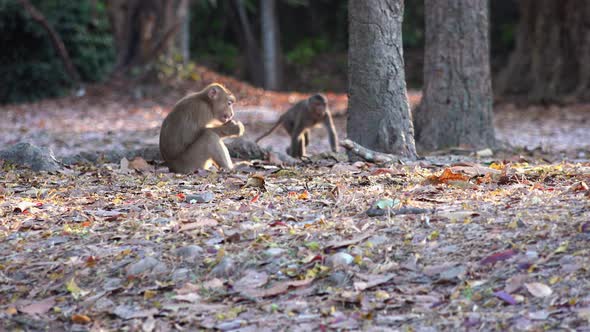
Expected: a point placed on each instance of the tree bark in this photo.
(56, 40)
(248, 42)
(271, 46)
(143, 29)
(456, 107)
(551, 59)
(182, 42)
(378, 112)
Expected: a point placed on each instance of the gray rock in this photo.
(28, 155)
(284, 158)
(340, 259)
(104, 303)
(190, 253)
(377, 240)
(149, 153)
(112, 156)
(231, 325)
(112, 284)
(181, 274)
(160, 221)
(225, 268)
(339, 278)
(245, 149)
(357, 251)
(147, 264)
(274, 252)
(204, 197)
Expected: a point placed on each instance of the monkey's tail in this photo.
(270, 130)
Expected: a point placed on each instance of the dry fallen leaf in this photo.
(372, 281)
(24, 206)
(255, 181)
(250, 281)
(538, 289)
(514, 283)
(81, 319)
(276, 289)
(139, 164)
(446, 177)
(190, 297)
(346, 243)
(39, 307)
(199, 224)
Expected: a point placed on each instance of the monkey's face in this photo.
(225, 109)
(222, 104)
(318, 109)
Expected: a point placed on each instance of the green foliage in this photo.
(211, 42)
(306, 50)
(303, 3)
(29, 66)
(225, 53)
(413, 25)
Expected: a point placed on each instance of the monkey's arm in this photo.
(279, 122)
(333, 137)
(232, 128)
(297, 146)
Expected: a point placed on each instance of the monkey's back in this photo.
(180, 127)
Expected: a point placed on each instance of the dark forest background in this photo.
(312, 45)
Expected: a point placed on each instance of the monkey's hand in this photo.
(230, 129)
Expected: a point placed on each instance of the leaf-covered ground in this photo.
(268, 248)
(446, 243)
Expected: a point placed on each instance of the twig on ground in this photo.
(368, 154)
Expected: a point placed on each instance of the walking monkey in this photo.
(300, 118)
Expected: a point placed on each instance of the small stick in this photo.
(368, 154)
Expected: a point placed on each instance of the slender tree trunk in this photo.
(551, 59)
(456, 107)
(55, 39)
(248, 42)
(143, 29)
(378, 112)
(183, 37)
(271, 46)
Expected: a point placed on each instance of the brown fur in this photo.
(191, 134)
(300, 118)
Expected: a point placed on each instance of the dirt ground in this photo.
(498, 243)
(71, 125)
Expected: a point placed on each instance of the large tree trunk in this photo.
(378, 112)
(551, 61)
(143, 29)
(271, 46)
(248, 42)
(456, 107)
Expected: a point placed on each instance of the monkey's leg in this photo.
(215, 149)
(302, 146)
(208, 147)
(297, 149)
(306, 136)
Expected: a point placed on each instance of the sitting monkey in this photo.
(191, 134)
(300, 118)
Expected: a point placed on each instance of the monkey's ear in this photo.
(213, 93)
